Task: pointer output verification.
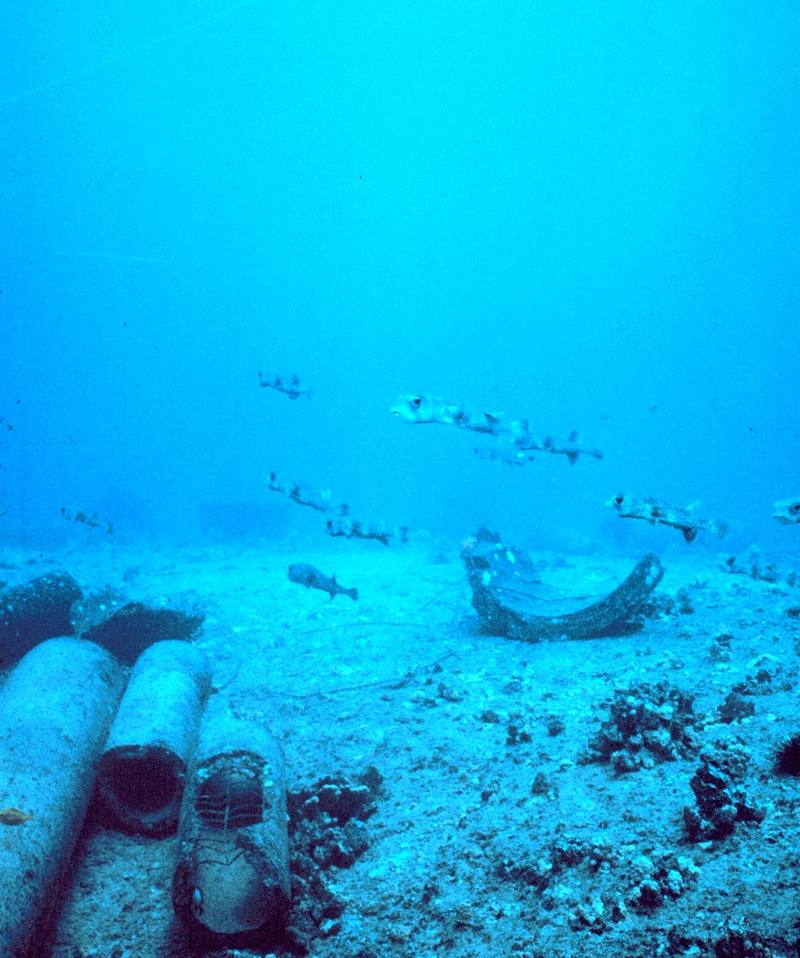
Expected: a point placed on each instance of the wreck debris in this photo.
(311, 578)
(127, 631)
(38, 610)
(720, 797)
(510, 596)
(351, 528)
(418, 409)
(288, 385)
(303, 496)
(231, 881)
(645, 725)
(787, 511)
(143, 767)
(55, 710)
(87, 519)
(657, 512)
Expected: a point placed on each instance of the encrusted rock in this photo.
(735, 707)
(721, 801)
(36, 611)
(327, 829)
(646, 724)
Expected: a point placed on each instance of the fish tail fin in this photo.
(689, 533)
(597, 453)
(353, 593)
(404, 533)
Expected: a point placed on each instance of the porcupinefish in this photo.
(291, 386)
(311, 578)
(657, 512)
(786, 511)
(350, 528)
(427, 409)
(303, 496)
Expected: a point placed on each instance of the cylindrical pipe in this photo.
(232, 880)
(36, 611)
(55, 711)
(143, 768)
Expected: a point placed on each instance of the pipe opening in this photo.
(144, 783)
(231, 797)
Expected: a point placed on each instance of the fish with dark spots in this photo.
(303, 496)
(92, 521)
(657, 512)
(350, 528)
(426, 409)
(510, 458)
(787, 511)
(311, 578)
(288, 385)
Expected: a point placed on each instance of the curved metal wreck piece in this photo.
(512, 600)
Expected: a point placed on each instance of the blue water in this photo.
(582, 214)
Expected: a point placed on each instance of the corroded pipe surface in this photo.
(232, 881)
(143, 768)
(511, 598)
(55, 711)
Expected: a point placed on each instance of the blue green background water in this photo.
(585, 214)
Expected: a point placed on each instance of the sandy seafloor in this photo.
(404, 681)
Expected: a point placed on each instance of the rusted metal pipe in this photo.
(231, 882)
(55, 711)
(144, 764)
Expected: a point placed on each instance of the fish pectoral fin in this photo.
(689, 533)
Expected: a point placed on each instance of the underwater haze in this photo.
(581, 214)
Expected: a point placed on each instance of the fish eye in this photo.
(416, 402)
(619, 500)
